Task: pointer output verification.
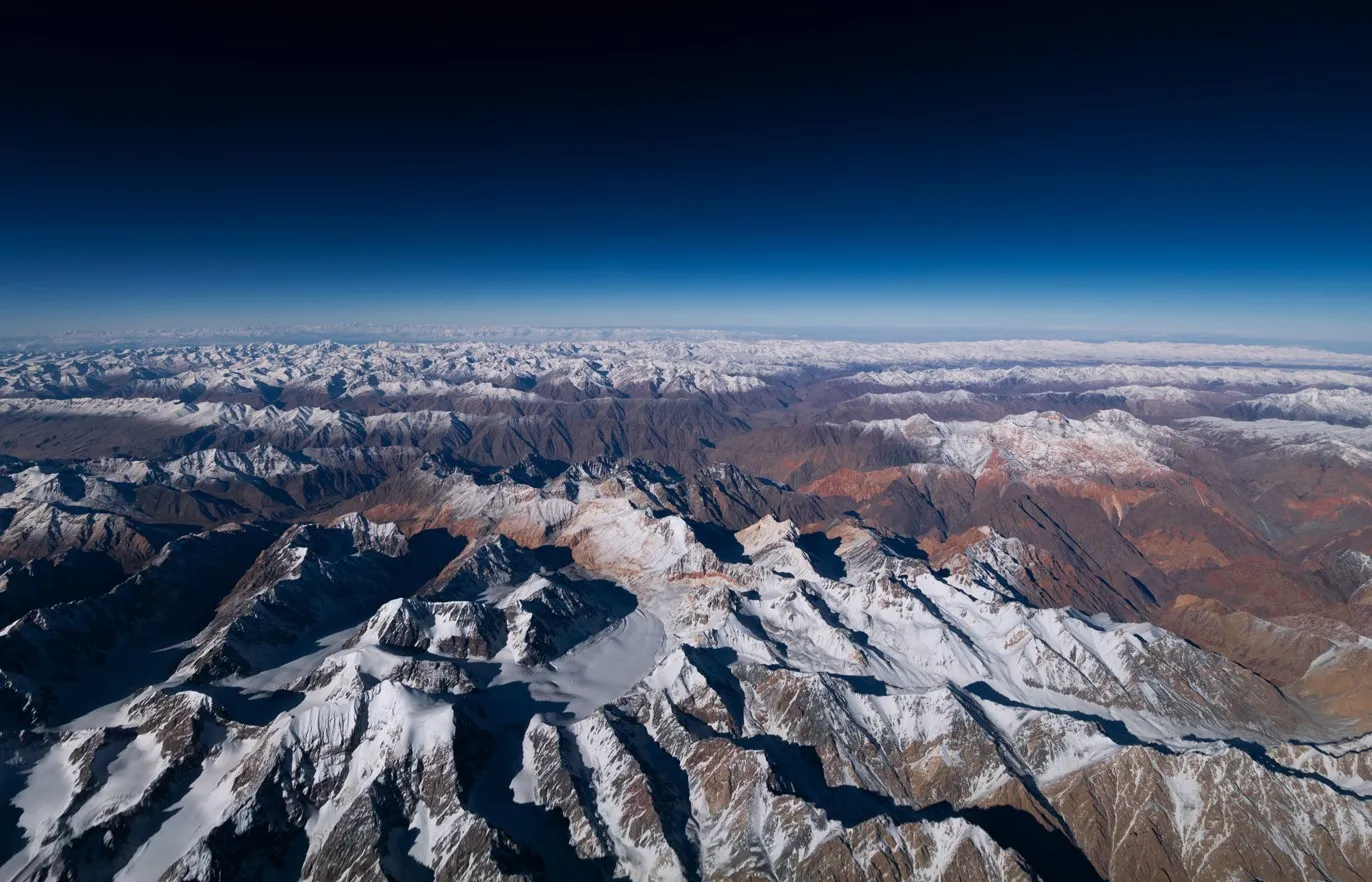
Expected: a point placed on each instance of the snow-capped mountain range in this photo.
(655, 607)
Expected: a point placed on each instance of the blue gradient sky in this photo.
(1108, 173)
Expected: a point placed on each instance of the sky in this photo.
(1117, 169)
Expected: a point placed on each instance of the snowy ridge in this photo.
(937, 697)
(1350, 406)
(1351, 444)
(1109, 441)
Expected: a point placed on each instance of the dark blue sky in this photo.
(1154, 171)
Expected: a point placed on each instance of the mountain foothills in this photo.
(696, 608)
